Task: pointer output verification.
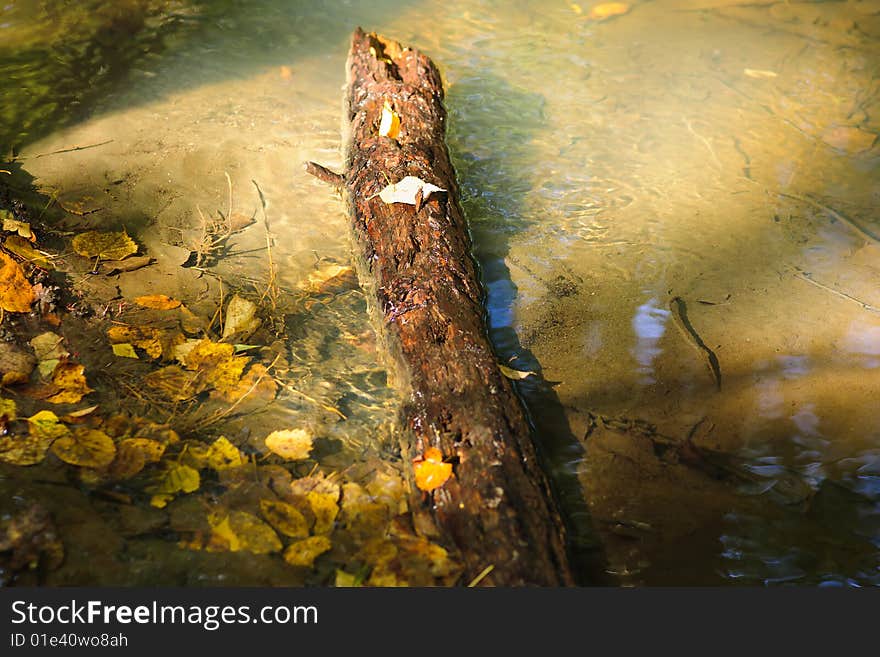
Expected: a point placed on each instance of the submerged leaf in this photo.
(132, 455)
(325, 509)
(431, 472)
(107, 246)
(238, 530)
(124, 349)
(87, 447)
(49, 352)
(31, 449)
(13, 225)
(407, 190)
(241, 318)
(286, 518)
(304, 553)
(16, 294)
(25, 250)
(70, 380)
(175, 478)
(222, 455)
(291, 444)
(157, 302)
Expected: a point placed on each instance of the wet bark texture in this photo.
(416, 266)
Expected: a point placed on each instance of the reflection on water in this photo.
(720, 151)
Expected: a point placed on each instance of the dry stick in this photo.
(864, 234)
(324, 174)
(68, 150)
(804, 276)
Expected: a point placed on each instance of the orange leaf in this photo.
(157, 302)
(432, 472)
(16, 294)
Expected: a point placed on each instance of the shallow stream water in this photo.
(674, 211)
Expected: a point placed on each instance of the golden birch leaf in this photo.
(107, 246)
(285, 518)
(8, 409)
(238, 530)
(87, 447)
(325, 509)
(290, 444)
(124, 349)
(389, 126)
(406, 190)
(16, 293)
(70, 379)
(157, 302)
(222, 455)
(304, 553)
(25, 250)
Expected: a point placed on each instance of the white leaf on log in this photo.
(406, 190)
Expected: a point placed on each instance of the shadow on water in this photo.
(489, 135)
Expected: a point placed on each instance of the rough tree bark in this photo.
(415, 264)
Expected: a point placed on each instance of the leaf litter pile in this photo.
(162, 439)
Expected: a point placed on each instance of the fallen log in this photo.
(413, 255)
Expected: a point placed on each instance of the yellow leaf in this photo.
(432, 472)
(511, 373)
(324, 507)
(304, 553)
(70, 379)
(175, 383)
(222, 455)
(132, 455)
(107, 246)
(389, 126)
(157, 302)
(124, 349)
(576, 8)
(44, 429)
(346, 580)
(86, 447)
(152, 340)
(285, 517)
(607, 10)
(174, 478)
(8, 409)
(238, 530)
(224, 376)
(290, 444)
(16, 294)
(255, 386)
(25, 250)
(13, 225)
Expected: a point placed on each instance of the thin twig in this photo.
(864, 234)
(804, 276)
(68, 150)
(272, 286)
